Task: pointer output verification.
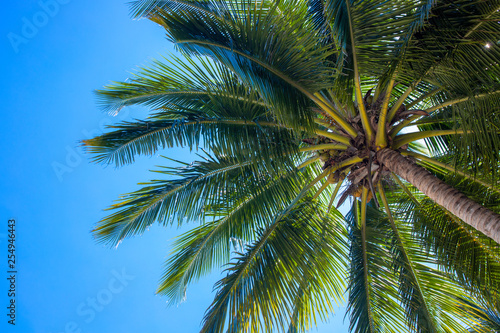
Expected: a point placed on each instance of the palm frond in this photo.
(476, 116)
(485, 315)
(186, 197)
(185, 82)
(231, 136)
(270, 270)
(244, 211)
(373, 299)
(450, 47)
(459, 249)
(270, 52)
(426, 310)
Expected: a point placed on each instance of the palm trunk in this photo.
(469, 211)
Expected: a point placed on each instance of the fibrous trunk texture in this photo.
(454, 201)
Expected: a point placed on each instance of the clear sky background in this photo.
(53, 55)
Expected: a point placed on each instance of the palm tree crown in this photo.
(302, 106)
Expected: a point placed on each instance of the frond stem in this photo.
(333, 136)
(364, 197)
(334, 194)
(321, 189)
(401, 100)
(357, 84)
(325, 146)
(307, 162)
(403, 139)
(381, 138)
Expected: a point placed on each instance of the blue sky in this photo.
(54, 53)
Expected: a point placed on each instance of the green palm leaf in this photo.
(240, 41)
(473, 258)
(270, 269)
(243, 212)
(183, 198)
(373, 300)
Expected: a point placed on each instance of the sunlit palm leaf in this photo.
(245, 210)
(184, 198)
(270, 270)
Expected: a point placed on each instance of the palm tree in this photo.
(302, 106)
